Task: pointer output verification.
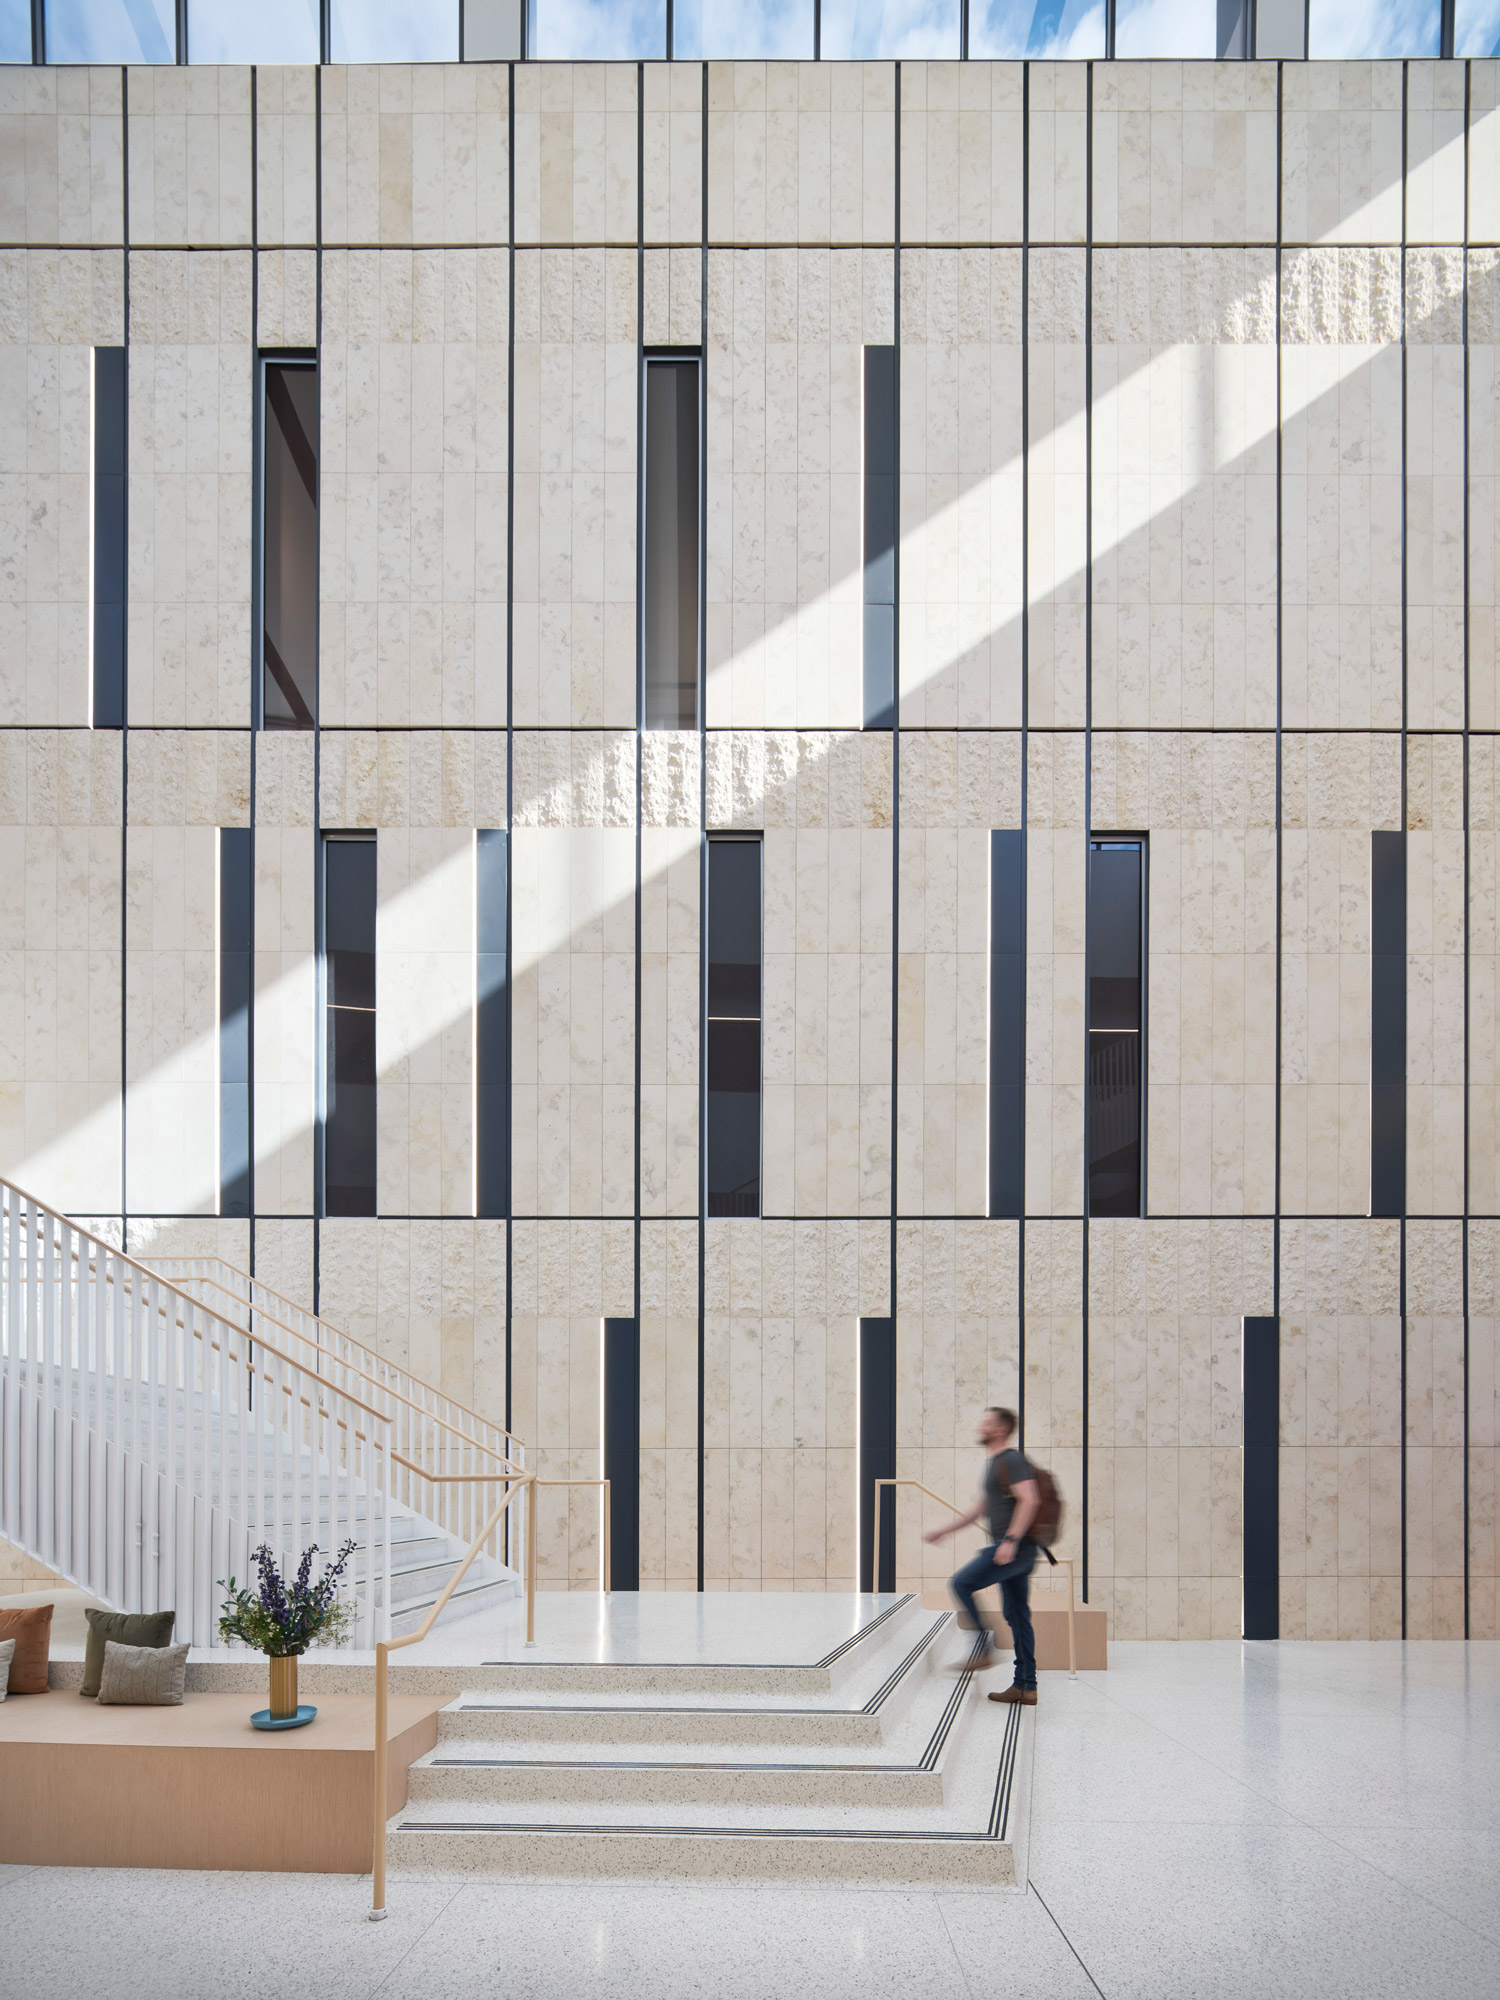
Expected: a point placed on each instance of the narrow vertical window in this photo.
(621, 1398)
(1387, 1023)
(288, 600)
(1115, 957)
(669, 545)
(880, 537)
(491, 1025)
(1007, 1022)
(107, 605)
(349, 1050)
(732, 1152)
(1260, 1580)
(877, 1452)
(236, 946)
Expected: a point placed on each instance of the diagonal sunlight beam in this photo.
(571, 892)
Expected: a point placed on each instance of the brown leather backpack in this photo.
(1049, 1509)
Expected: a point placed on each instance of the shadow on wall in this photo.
(1340, 307)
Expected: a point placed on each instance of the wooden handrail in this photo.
(264, 1347)
(1059, 1561)
(362, 1374)
(318, 1320)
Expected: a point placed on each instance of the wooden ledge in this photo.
(197, 1786)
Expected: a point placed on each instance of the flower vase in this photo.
(283, 1686)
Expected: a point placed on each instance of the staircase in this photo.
(157, 1425)
(876, 1764)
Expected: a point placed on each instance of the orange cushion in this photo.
(31, 1629)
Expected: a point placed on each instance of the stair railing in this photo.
(251, 1292)
(443, 1454)
(148, 1444)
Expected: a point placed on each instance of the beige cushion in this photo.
(7, 1649)
(143, 1676)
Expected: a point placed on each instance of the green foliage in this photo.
(281, 1618)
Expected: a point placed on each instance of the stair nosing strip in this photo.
(700, 1832)
(550, 1764)
(722, 1666)
(871, 1707)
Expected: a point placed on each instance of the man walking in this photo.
(1009, 1499)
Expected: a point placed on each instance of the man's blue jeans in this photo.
(978, 1574)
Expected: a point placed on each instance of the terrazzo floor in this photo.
(1207, 1820)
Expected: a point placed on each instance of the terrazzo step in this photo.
(969, 1840)
(905, 1768)
(658, 1704)
(843, 1668)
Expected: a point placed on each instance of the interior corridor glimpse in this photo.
(732, 1162)
(1115, 1071)
(349, 1077)
(289, 545)
(669, 557)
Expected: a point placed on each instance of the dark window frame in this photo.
(235, 951)
(1114, 842)
(880, 532)
(109, 518)
(292, 695)
(1005, 1078)
(1388, 1037)
(329, 839)
(651, 694)
(725, 1040)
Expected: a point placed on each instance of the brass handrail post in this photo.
(382, 1758)
(531, 1565)
(383, 1650)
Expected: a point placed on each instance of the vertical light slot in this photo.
(1007, 1037)
(107, 564)
(491, 1023)
(1388, 1024)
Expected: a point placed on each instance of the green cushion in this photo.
(126, 1628)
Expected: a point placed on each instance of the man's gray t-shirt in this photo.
(1004, 1470)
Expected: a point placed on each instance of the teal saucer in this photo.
(263, 1718)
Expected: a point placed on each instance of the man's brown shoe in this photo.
(1025, 1696)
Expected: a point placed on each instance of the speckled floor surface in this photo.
(1207, 1820)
